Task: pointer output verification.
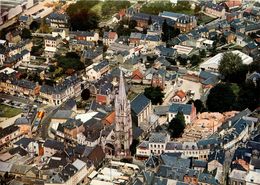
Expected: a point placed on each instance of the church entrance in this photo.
(110, 149)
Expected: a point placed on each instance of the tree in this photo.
(150, 20)
(195, 60)
(165, 31)
(221, 98)
(203, 53)
(26, 34)
(177, 125)
(34, 26)
(198, 104)
(232, 68)
(85, 94)
(132, 24)
(154, 94)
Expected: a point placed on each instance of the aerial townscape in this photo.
(129, 92)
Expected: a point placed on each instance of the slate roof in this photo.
(175, 162)
(139, 103)
(91, 54)
(101, 65)
(24, 142)
(164, 51)
(157, 138)
(23, 18)
(218, 155)
(53, 144)
(214, 6)
(8, 130)
(58, 16)
(63, 114)
(155, 18)
(184, 108)
(18, 150)
(208, 78)
(207, 179)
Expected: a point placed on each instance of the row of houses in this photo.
(55, 95)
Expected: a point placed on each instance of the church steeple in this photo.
(123, 121)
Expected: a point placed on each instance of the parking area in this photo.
(186, 85)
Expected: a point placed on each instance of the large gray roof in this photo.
(139, 103)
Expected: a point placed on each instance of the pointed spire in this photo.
(121, 91)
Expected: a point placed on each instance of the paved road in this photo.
(19, 99)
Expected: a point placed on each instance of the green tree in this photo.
(34, 26)
(232, 68)
(177, 125)
(150, 20)
(26, 34)
(195, 60)
(198, 104)
(165, 31)
(155, 94)
(132, 24)
(221, 98)
(203, 53)
(85, 94)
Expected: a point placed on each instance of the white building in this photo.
(213, 63)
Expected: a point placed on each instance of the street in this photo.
(19, 99)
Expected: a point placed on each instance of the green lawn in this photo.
(7, 111)
(203, 19)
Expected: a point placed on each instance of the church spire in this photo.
(121, 91)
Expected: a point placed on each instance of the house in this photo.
(50, 147)
(60, 93)
(232, 5)
(92, 55)
(61, 116)
(15, 60)
(9, 135)
(96, 71)
(188, 110)
(208, 79)
(142, 20)
(28, 144)
(158, 78)
(165, 52)
(51, 45)
(183, 50)
(58, 20)
(13, 36)
(109, 38)
(237, 177)
(251, 49)
(25, 21)
(230, 36)
(214, 10)
(136, 39)
(85, 35)
(171, 15)
(142, 113)
(216, 162)
(186, 23)
(69, 129)
(137, 76)
(151, 41)
(59, 32)
(179, 96)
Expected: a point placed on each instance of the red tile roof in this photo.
(101, 99)
(111, 118)
(181, 94)
(137, 74)
(231, 4)
(112, 35)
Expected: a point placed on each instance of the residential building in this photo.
(188, 110)
(186, 23)
(85, 35)
(51, 45)
(109, 38)
(214, 10)
(96, 71)
(58, 20)
(179, 96)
